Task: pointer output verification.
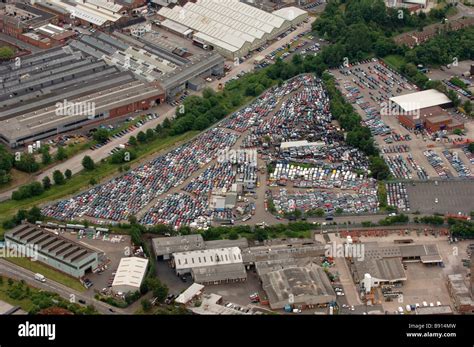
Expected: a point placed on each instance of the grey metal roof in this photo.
(168, 245)
(209, 274)
(58, 246)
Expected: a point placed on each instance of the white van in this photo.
(40, 277)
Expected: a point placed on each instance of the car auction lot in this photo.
(368, 86)
(452, 197)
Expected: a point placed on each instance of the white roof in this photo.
(130, 272)
(225, 23)
(190, 293)
(302, 143)
(94, 11)
(290, 13)
(207, 257)
(419, 100)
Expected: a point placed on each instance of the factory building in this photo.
(280, 249)
(164, 247)
(115, 74)
(301, 286)
(460, 294)
(129, 275)
(230, 27)
(424, 110)
(184, 262)
(52, 249)
(97, 13)
(384, 264)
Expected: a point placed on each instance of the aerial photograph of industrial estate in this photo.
(304, 158)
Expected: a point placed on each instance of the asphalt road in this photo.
(17, 272)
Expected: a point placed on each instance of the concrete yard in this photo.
(453, 197)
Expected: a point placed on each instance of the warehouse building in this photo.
(300, 286)
(460, 294)
(129, 275)
(164, 247)
(89, 12)
(414, 103)
(63, 89)
(384, 264)
(279, 249)
(424, 110)
(184, 262)
(53, 250)
(230, 27)
(226, 273)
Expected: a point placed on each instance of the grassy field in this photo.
(81, 180)
(48, 272)
(394, 60)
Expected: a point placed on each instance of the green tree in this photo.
(146, 305)
(58, 177)
(132, 141)
(150, 135)
(46, 183)
(68, 174)
(27, 163)
(101, 135)
(6, 53)
(61, 154)
(88, 163)
(45, 155)
(141, 137)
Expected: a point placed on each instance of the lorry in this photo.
(40, 277)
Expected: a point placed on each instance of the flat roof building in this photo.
(283, 249)
(300, 286)
(226, 273)
(460, 293)
(420, 100)
(189, 294)
(184, 262)
(54, 250)
(130, 274)
(164, 247)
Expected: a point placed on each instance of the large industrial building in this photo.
(102, 76)
(384, 264)
(129, 275)
(95, 12)
(186, 262)
(164, 247)
(54, 250)
(424, 110)
(304, 286)
(230, 27)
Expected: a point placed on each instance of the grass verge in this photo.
(48, 272)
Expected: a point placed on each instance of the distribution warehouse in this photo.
(230, 27)
(62, 254)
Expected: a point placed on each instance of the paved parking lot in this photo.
(114, 251)
(369, 86)
(453, 197)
